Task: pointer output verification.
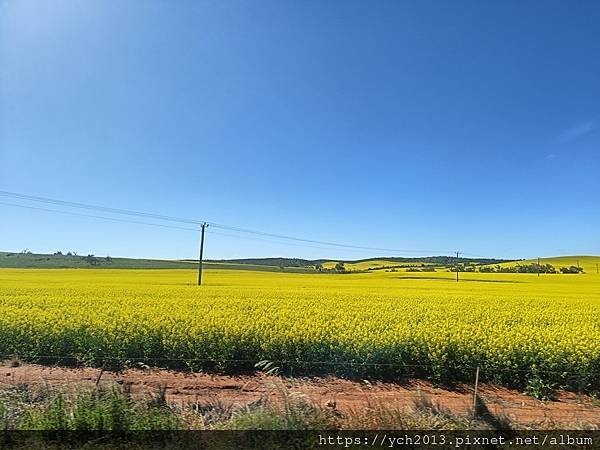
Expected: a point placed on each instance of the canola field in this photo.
(516, 327)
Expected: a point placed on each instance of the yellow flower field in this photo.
(388, 325)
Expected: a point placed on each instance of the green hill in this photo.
(54, 261)
(397, 262)
(373, 264)
(361, 264)
(69, 261)
(589, 263)
(59, 261)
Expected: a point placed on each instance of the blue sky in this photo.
(427, 126)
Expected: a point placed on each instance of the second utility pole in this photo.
(457, 253)
(204, 225)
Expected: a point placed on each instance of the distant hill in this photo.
(436, 260)
(362, 263)
(375, 264)
(70, 261)
(59, 260)
(276, 262)
(590, 264)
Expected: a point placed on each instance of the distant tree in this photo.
(108, 259)
(459, 267)
(547, 268)
(69, 254)
(340, 267)
(319, 267)
(58, 253)
(571, 269)
(520, 268)
(91, 260)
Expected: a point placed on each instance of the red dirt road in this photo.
(568, 409)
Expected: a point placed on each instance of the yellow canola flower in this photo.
(513, 323)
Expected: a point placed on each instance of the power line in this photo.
(212, 224)
(237, 236)
(114, 219)
(324, 244)
(259, 239)
(332, 244)
(148, 215)
(128, 212)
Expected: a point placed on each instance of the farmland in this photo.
(70, 261)
(590, 264)
(516, 327)
(371, 264)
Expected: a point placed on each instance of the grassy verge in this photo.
(112, 408)
(99, 409)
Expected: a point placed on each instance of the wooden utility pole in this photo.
(204, 225)
(457, 253)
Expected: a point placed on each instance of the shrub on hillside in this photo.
(571, 269)
(340, 267)
(520, 268)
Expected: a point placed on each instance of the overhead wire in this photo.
(212, 224)
(157, 225)
(71, 213)
(212, 232)
(115, 219)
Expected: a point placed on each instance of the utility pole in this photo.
(204, 225)
(457, 253)
(538, 266)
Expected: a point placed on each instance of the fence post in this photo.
(475, 393)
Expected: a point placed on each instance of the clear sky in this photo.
(417, 125)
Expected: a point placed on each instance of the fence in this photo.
(474, 397)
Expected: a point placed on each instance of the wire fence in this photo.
(575, 381)
(123, 358)
(459, 395)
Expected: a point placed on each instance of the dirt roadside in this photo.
(356, 397)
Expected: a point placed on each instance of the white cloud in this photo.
(578, 131)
